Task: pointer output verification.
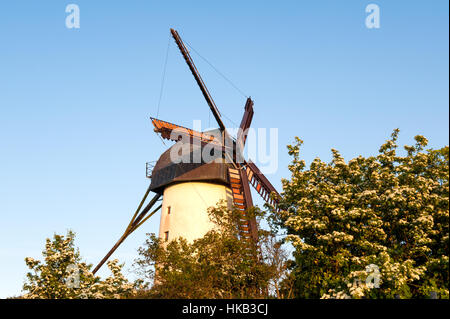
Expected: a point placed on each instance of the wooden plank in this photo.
(238, 196)
(235, 176)
(248, 198)
(234, 181)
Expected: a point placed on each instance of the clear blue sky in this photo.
(75, 103)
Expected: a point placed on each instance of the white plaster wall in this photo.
(189, 203)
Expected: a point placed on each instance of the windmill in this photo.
(189, 187)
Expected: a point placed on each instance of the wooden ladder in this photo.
(240, 186)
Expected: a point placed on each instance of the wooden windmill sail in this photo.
(234, 172)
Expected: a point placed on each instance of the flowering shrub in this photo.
(62, 275)
(388, 210)
(217, 265)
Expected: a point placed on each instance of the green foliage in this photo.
(218, 265)
(62, 274)
(387, 210)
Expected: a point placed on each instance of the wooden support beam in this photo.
(249, 204)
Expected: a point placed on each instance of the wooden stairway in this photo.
(242, 200)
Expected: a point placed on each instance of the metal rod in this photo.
(135, 222)
(146, 218)
(139, 207)
(146, 209)
(100, 264)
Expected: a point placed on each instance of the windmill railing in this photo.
(149, 166)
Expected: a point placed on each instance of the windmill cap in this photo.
(166, 172)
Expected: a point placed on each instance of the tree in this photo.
(219, 265)
(380, 221)
(62, 274)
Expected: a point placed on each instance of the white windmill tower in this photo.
(190, 187)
